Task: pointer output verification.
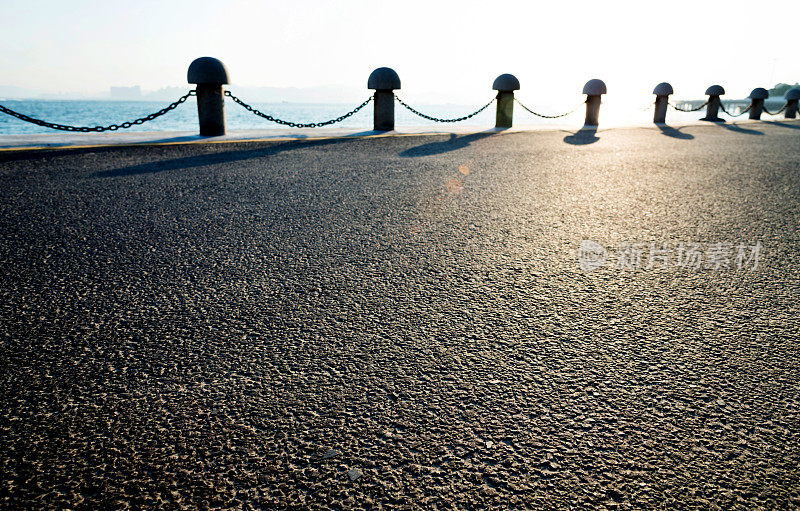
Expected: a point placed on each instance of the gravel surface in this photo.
(401, 322)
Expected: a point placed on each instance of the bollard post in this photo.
(712, 110)
(757, 97)
(593, 89)
(792, 97)
(383, 81)
(505, 85)
(209, 74)
(662, 91)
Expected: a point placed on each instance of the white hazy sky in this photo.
(441, 49)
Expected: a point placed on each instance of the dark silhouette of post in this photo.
(593, 89)
(712, 110)
(757, 97)
(792, 97)
(505, 85)
(210, 75)
(662, 91)
(383, 81)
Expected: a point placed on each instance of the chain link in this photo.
(690, 109)
(545, 116)
(774, 113)
(648, 107)
(98, 129)
(436, 119)
(722, 106)
(296, 124)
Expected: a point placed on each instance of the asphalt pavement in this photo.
(549, 320)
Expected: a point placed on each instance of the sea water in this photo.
(618, 112)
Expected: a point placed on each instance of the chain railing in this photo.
(98, 129)
(218, 115)
(545, 116)
(437, 119)
(722, 107)
(296, 124)
(773, 113)
(676, 107)
(210, 75)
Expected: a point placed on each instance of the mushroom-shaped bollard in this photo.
(383, 81)
(712, 110)
(210, 75)
(593, 89)
(505, 85)
(792, 97)
(662, 91)
(757, 97)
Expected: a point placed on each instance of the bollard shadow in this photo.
(202, 160)
(738, 129)
(451, 144)
(584, 136)
(783, 124)
(672, 132)
(26, 154)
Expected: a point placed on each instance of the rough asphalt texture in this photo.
(401, 322)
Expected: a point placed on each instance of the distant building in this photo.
(126, 93)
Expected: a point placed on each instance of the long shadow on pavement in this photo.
(783, 124)
(739, 129)
(584, 136)
(451, 144)
(213, 158)
(674, 133)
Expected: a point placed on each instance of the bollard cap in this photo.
(792, 94)
(383, 78)
(207, 70)
(506, 83)
(663, 89)
(759, 93)
(715, 90)
(594, 87)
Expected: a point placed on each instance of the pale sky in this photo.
(442, 50)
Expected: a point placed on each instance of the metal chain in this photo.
(296, 124)
(722, 106)
(545, 116)
(648, 107)
(98, 129)
(689, 110)
(774, 113)
(436, 119)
